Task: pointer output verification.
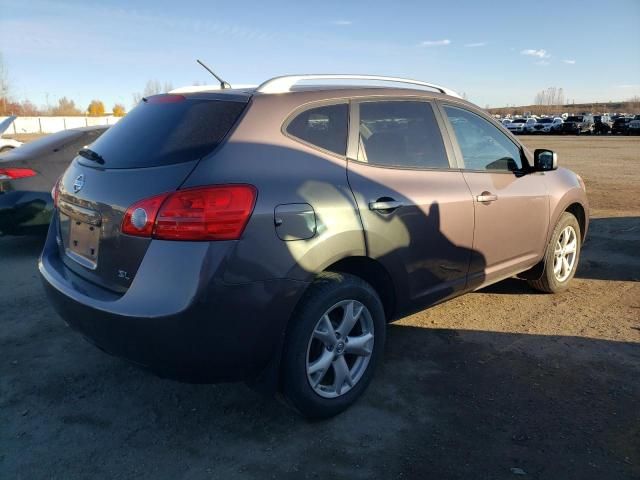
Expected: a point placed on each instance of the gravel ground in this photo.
(494, 384)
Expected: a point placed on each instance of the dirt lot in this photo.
(491, 385)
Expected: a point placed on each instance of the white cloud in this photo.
(543, 63)
(342, 23)
(570, 62)
(536, 53)
(435, 43)
(477, 44)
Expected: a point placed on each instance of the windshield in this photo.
(545, 120)
(519, 120)
(575, 119)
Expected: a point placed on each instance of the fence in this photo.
(54, 124)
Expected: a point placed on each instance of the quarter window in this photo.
(400, 134)
(324, 127)
(483, 146)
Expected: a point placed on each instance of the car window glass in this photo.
(483, 146)
(401, 134)
(165, 130)
(325, 127)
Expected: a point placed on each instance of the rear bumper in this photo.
(24, 211)
(196, 328)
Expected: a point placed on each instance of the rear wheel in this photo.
(335, 340)
(561, 257)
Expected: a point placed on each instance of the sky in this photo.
(498, 53)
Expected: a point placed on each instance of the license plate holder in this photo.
(82, 243)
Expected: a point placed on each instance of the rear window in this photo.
(574, 119)
(166, 129)
(325, 127)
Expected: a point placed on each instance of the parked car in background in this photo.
(556, 126)
(577, 125)
(271, 233)
(621, 125)
(28, 173)
(602, 124)
(544, 125)
(634, 126)
(520, 125)
(7, 144)
(505, 121)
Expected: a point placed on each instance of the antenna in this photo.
(223, 84)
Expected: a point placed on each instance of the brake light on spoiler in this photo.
(218, 212)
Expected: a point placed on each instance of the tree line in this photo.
(65, 106)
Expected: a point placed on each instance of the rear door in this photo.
(511, 206)
(149, 152)
(415, 206)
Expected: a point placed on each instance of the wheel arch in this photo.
(578, 211)
(372, 272)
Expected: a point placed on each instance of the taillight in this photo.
(55, 193)
(14, 173)
(203, 213)
(140, 217)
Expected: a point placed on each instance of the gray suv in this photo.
(269, 234)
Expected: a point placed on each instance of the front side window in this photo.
(325, 127)
(483, 146)
(400, 134)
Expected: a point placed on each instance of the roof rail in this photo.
(207, 88)
(285, 83)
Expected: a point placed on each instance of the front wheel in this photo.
(335, 340)
(561, 257)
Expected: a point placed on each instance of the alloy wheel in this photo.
(564, 255)
(340, 348)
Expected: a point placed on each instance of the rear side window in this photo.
(324, 127)
(167, 129)
(400, 134)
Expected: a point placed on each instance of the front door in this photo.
(511, 206)
(417, 212)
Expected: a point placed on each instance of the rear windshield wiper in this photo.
(91, 155)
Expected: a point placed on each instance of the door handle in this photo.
(486, 197)
(385, 206)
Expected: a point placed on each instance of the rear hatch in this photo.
(149, 152)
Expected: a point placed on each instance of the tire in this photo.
(553, 281)
(310, 343)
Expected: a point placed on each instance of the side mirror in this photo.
(545, 160)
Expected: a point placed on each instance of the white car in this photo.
(545, 125)
(7, 144)
(520, 125)
(505, 121)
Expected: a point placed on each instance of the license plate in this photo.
(81, 241)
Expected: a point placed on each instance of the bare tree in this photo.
(4, 85)
(550, 96)
(65, 107)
